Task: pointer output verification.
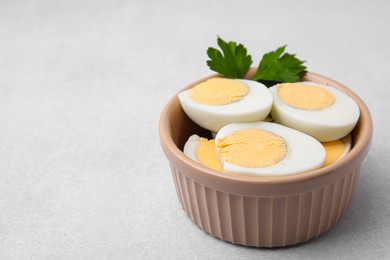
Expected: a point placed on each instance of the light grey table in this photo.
(82, 84)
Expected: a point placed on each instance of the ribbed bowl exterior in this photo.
(265, 221)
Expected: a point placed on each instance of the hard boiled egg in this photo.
(202, 151)
(323, 112)
(336, 150)
(218, 101)
(267, 149)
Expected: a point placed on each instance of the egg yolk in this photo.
(207, 154)
(252, 148)
(219, 91)
(304, 96)
(334, 151)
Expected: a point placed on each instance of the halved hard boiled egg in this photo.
(323, 112)
(336, 150)
(202, 151)
(267, 149)
(217, 102)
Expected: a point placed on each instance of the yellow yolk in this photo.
(218, 91)
(252, 148)
(306, 97)
(207, 154)
(334, 151)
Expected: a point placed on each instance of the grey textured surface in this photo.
(82, 84)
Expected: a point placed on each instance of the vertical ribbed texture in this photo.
(265, 221)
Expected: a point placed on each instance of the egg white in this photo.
(304, 153)
(190, 147)
(347, 141)
(255, 106)
(329, 124)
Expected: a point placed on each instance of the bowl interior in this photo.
(182, 127)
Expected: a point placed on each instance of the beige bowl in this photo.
(263, 211)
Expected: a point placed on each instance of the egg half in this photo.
(202, 151)
(336, 150)
(217, 102)
(267, 149)
(323, 112)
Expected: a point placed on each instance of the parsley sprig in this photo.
(275, 66)
(234, 62)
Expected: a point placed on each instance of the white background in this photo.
(82, 85)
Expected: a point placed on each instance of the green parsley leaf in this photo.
(234, 62)
(276, 67)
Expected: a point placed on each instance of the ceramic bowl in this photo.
(263, 211)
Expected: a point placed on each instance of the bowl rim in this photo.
(360, 146)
